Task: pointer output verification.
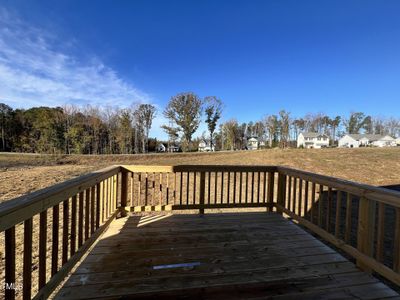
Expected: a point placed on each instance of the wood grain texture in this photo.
(241, 256)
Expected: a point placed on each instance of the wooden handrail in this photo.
(17, 210)
(363, 190)
(354, 230)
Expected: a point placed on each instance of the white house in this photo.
(364, 140)
(252, 143)
(205, 147)
(398, 141)
(161, 147)
(312, 140)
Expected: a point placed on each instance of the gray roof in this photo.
(370, 137)
(313, 134)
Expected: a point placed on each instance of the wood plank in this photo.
(65, 231)
(54, 239)
(42, 249)
(27, 268)
(9, 277)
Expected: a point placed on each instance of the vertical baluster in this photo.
(73, 224)
(153, 190)
(313, 206)
(10, 261)
(194, 187)
(209, 188)
(132, 188)
(87, 210)
(247, 186)
(65, 231)
(320, 204)
(222, 186)
(174, 187)
(240, 186)
(42, 248)
(146, 188)
(92, 208)
(140, 190)
(228, 190)
(160, 190)
(381, 232)
(27, 271)
(328, 210)
(80, 219)
(349, 208)
(396, 248)
(289, 192)
(252, 187)
(187, 187)
(258, 186)
(306, 192)
(167, 188)
(264, 187)
(234, 187)
(271, 187)
(180, 189)
(294, 194)
(54, 247)
(215, 187)
(338, 212)
(300, 197)
(99, 205)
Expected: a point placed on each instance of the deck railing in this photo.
(75, 212)
(362, 220)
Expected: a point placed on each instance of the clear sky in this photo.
(257, 56)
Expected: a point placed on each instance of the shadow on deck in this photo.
(224, 256)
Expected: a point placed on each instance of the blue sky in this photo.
(257, 56)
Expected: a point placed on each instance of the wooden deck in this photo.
(234, 256)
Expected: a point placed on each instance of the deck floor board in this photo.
(240, 256)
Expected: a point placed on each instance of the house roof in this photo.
(370, 137)
(313, 134)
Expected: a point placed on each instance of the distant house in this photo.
(312, 140)
(366, 140)
(204, 146)
(252, 143)
(161, 147)
(398, 141)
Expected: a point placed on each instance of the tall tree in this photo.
(5, 121)
(185, 111)
(272, 125)
(145, 115)
(335, 124)
(213, 113)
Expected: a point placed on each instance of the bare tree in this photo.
(185, 111)
(145, 115)
(213, 112)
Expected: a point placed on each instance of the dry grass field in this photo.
(24, 173)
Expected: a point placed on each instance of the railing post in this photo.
(202, 191)
(366, 229)
(124, 192)
(281, 191)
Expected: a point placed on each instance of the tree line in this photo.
(282, 130)
(89, 130)
(76, 130)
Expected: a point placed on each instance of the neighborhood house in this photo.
(252, 143)
(312, 140)
(365, 140)
(204, 146)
